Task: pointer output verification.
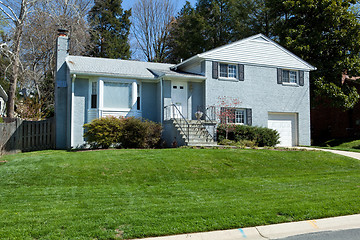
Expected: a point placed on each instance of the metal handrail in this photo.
(205, 115)
(179, 121)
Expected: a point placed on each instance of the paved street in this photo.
(352, 234)
(344, 228)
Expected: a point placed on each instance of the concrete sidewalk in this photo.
(355, 155)
(274, 231)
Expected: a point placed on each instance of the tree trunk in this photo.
(16, 64)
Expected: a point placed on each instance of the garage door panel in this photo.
(285, 124)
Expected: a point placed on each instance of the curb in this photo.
(274, 231)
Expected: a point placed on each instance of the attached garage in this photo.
(287, 126)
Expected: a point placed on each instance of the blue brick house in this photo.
(270, 83)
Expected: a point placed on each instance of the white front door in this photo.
(179, 98)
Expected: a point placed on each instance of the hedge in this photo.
(260, 135)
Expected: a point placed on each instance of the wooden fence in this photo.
(17, 135)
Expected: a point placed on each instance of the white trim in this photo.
(116, 109)
(257, 64)
(184, 63)
(290, 84)
(133, 93)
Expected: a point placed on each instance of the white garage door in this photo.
(286, 125)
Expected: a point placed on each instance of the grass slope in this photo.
(343, 144)
(137, 193)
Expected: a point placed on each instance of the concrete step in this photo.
(199, 139)
(202, 144)
(195, 121)
(190, 126)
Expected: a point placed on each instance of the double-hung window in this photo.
(227, 70)
(289, 76)
(240, 116)
(236, 115)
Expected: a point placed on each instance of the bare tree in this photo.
(16, 12)
(38, 44)
(150, 21)
(32, 43)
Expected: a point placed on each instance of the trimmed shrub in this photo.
(133, 133)
(103, 132)
(122, 133)
(246, 143)
(227, 142)
(153, 134)
(261, 136)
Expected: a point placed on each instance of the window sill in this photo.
(116, 109)
(290, 84)
(228, 79)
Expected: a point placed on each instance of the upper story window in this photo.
(227, 70)
(231, 72)
(289, 76)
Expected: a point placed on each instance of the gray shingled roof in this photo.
(122, 68)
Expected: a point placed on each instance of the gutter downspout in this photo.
(72, 109)
(161, 102)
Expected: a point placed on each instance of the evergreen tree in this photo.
(110, 29)
(212, 23)
(186, 37)
(326, 34)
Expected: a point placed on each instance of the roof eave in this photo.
(171, 77)
(101, 74)
(187, 61)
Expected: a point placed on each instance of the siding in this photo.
(260, 92)
(194, 68)
(149, 101)
(197, 94)
(81, 92)
(257, 52)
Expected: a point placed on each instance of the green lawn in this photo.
(136, 193)
(342, 144)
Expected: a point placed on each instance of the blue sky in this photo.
(179, 3)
